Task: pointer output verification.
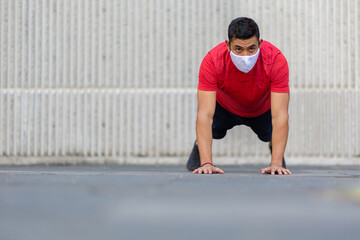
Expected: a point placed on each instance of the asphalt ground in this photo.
(167, 202)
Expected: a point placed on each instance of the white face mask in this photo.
(245, 63)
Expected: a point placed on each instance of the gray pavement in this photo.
(167, 202)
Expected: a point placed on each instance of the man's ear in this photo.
(227, 44)
(260, 41)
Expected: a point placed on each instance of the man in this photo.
(243, 81)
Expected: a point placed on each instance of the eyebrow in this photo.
(253, 45)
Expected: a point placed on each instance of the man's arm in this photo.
(205, 113)
(280, 124)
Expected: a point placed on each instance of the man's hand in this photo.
(208, 169)
(276, 169)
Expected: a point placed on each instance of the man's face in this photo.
(243, 47)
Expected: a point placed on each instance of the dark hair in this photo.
(243, 28)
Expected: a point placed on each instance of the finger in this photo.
(210, 171)
(219, 170)
(279, 170)
(195, 171)
(200, 171)
(289, 171)
(205, 171)
(272, 171)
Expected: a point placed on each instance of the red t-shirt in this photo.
(244, 94)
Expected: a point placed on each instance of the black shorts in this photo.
(224, 120)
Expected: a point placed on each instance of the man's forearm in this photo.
(204, 138)
(279, 139)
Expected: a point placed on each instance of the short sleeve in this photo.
(207, 75)
(279, 74)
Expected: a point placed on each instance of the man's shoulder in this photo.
(215, 60)
(268, 47)
(220, 48)
(218, 57)
(270, 53)
(217, 53)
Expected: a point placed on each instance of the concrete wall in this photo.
(108, 80)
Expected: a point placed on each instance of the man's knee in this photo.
(216, 134)
(264, 137)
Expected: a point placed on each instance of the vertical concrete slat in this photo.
(57, 79)
(357, 79)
